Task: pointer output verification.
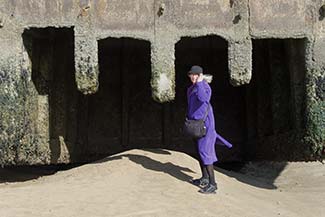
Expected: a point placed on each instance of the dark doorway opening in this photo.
(276, 100)
(53, 96)
(211, 52)
(122, 114)
(263, 119)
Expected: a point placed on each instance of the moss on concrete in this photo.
(315, 114)
(163, 65)
(87, 78)
(240, 62)
(163, 85)
(17, 137)
(315, 133)
(86, 64)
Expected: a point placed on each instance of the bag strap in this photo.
(206, 113)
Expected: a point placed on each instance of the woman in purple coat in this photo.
(198, 101)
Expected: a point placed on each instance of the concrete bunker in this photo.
(260, 118)
(43, 115)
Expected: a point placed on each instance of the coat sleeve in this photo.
(203, 92)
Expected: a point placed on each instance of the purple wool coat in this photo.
(198, 100)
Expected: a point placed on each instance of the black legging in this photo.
(206, 170)
(210, 170)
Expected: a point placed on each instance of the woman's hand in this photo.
(200, 78)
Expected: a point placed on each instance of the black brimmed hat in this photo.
(195, 70)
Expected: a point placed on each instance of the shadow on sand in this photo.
(26, 173)
(171, 169)
(258, 174)
(261, 174)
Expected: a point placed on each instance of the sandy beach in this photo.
(155, 183)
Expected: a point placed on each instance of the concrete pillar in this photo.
(163, 70)
(240, 62)
(315, 97)
(315, 82)
(240, 47)
(86, 53)
(163, 56)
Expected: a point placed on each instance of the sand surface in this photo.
(154, 183)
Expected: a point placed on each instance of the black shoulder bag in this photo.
(195, 128)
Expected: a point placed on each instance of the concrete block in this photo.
(240, 62)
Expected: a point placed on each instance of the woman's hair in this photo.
(208, 78)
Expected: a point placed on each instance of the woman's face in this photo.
(193, 77)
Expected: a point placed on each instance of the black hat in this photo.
(196, 70)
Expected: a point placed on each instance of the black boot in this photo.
(202, 182)
(212, 186)
(209, 189)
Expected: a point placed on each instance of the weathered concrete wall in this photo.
(281, 18)
(315, 85)
(15, 132)
(163, 23)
